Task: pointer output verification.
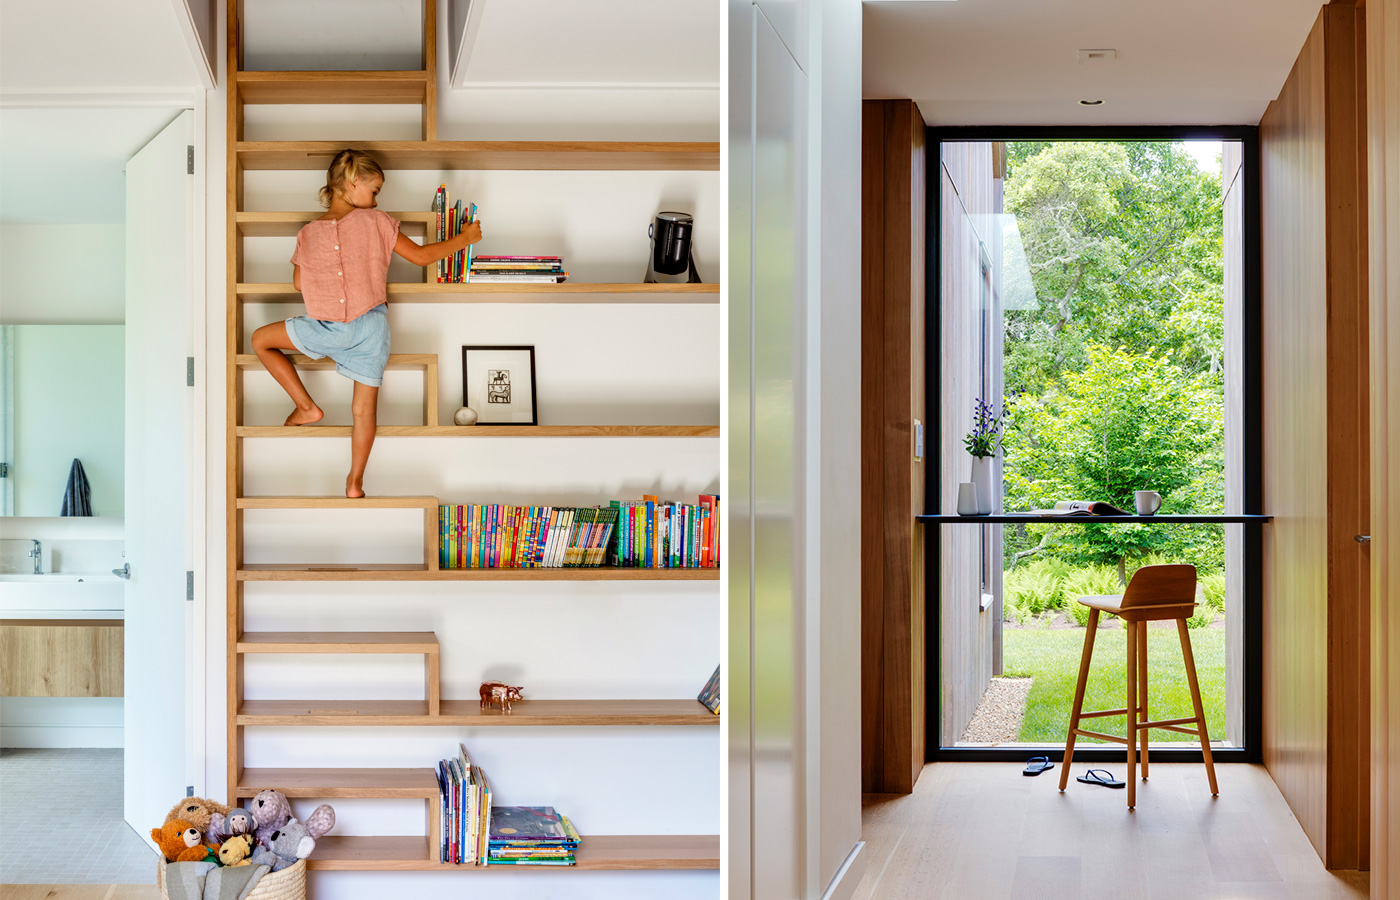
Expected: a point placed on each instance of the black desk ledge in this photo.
(1014, 518)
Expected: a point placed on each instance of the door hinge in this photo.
(4, 470)
(189, 371)
(189, 584)
(189, 159)
(189, 790)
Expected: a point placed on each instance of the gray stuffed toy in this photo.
(285, 846)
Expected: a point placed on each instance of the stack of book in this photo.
(457, 268)
(465, 813)
(653, 534)
(531, 836)
(518, 270)
(497, 536)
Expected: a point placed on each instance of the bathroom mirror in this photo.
(61, 399)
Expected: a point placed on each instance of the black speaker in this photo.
(670, 261)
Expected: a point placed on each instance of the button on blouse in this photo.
(367, 237)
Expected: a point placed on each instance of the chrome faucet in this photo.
(37, 553)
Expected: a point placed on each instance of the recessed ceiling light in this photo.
(1091, 103)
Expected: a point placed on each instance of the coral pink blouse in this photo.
(345, 263)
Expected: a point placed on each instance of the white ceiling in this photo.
(93, 45)
(1014, 62)
(65, 165)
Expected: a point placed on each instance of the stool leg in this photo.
(1132, 628)
(1142, 693)
(1089, 632)
(1196, 703)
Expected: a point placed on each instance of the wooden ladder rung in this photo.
(430, 503)
(358, 87)
(338, 642)
(420, 361)
(342, 783)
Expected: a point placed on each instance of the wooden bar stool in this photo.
(1155, 593)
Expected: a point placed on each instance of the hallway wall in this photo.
(1383, 138)
(1316, 595)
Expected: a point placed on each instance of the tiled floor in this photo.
(61, 820)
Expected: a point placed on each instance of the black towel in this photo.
(77, 499)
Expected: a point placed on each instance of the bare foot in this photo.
(301, 416)
(353, 490)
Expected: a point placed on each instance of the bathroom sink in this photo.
(60, 594)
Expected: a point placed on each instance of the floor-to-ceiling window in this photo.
(1091, 301)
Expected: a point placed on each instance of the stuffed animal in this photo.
(285, 846)
(180, 841)
(236, 850)
(197, 811)
(238, 821)
(271, 811)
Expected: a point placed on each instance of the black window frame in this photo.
(1253, 499)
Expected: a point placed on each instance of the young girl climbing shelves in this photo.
(341, 266)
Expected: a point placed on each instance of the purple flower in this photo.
(985, 437)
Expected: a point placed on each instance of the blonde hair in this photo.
(348, 165)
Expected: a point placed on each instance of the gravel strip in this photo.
(999, 714)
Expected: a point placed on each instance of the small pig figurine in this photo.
(496, 691)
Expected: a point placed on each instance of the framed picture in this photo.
(499, 383)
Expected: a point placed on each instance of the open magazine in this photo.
(1080, 508)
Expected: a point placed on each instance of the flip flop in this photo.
(1037, 764)
(1101, 777)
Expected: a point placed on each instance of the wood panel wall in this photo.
(1383, 138)
(892, 481)
(1316, 479)
(969, 635)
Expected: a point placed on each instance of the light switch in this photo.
(918, 440)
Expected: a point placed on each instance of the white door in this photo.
(159, 672)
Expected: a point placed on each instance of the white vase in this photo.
(988, 499)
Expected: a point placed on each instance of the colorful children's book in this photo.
(709, 695)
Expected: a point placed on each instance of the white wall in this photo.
(53, 274)
(794, 449)
(595, 363)
(68, 404)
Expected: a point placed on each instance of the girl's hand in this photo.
(472, 232)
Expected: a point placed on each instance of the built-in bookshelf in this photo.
(419, 853)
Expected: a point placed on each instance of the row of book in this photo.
(656, 534)
(499, 536)
(465, 812)
(474, 833)
(517, 270)
(451, 219)
(646, 534)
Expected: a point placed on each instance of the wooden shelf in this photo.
(286, 224)
(333, 87)
(568, 292)
(337, 503)
(330, 784)
(414, 713)
(485, 431)
(419, 572)
(664, 156)
(338, 642)
(596, 851)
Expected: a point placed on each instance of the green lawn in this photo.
(1051, 657)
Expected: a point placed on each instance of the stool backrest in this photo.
(1161, 586)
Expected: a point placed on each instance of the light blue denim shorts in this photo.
(359, 347)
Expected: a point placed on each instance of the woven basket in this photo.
(288, 884)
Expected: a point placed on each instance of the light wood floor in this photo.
(983, 831)
(79, 892)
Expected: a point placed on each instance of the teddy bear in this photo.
(286, 844)
(199, 812)
(180, 841)
(236, 850)
(271, 811)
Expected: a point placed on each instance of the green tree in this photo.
(1124, 423)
